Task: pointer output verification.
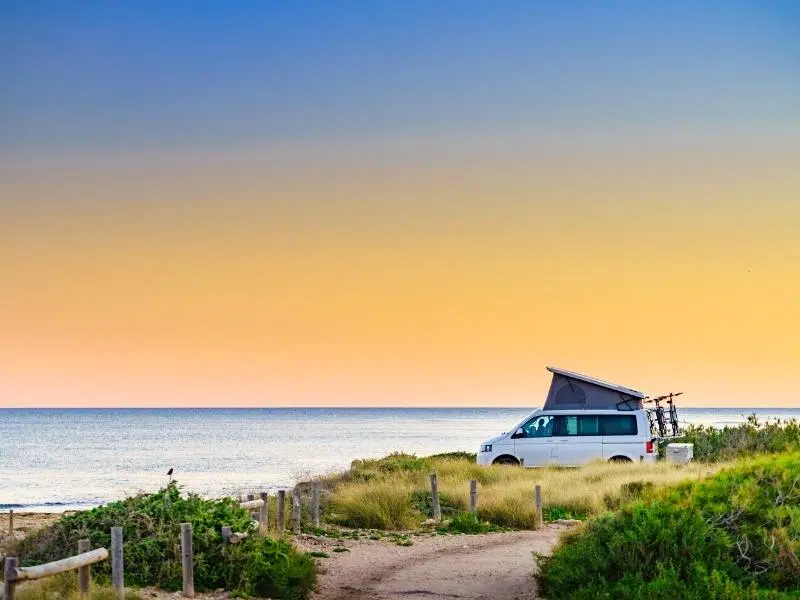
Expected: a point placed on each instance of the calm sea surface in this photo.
(55, 459)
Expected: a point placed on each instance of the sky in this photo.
(397, 203)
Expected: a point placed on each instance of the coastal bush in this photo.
(733, 535)
(258, 566)
(397, 496)
(744, 439)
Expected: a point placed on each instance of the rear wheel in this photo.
(506, 460)
(619, 459)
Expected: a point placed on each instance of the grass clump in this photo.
(733, 535)
(469, 523)
(743, 440)
(258, 566)
(372, 496)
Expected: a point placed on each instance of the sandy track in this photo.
(493, 566)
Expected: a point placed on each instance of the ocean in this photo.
(61, 459)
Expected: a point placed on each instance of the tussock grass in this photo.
(394, 493)
(64, 586)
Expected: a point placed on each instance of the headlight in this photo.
(486, 447)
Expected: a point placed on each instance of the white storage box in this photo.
(680, 453)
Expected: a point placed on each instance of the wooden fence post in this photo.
(281, 512)
(296, 510)
(315, 504)
(9, 577)
(11, 523)
(538, 498)
(117, 569)
(437, 510)
(187, 559)
(84, 573)
(226, 533)
(263, 513)
(473, 496)
(250, 498)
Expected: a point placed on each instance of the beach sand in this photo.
(24, 523)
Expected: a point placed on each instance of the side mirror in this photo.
(518, 434)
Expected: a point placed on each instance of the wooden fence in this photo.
(13, 574)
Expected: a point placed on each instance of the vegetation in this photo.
(393, 492)
(64, 586)
(733, 535)
(467, 522)
(258, 566)
(743, 440)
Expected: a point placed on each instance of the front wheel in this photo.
(508, 461)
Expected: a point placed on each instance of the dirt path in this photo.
(492, 567)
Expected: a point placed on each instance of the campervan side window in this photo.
(577, 425)
(541, 426)
(618, 425)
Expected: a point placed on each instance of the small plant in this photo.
(318, 554)
(554, 513)
(341, 549)
(404, 541)
(468, 522)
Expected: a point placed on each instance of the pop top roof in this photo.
(597, 382)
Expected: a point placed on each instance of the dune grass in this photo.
(393, 492)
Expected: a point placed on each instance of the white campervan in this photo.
(583, 419)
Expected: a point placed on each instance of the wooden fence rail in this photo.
(252, 504)
(58, 566)
(12, 574)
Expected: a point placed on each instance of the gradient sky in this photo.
(397, 202)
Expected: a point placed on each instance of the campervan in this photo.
(583, 419)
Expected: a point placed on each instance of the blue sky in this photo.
(87, 76)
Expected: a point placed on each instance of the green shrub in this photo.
(258, 566)
(734, 535)
(743, 440)
(458, 455)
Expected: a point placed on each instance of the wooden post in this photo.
(117, 569)
(263, 513)
(538, 498)
(84, 573)
(187, 559)
(315, 504)
(11, 524)
(226, 533)
(296, 510)
(9, 577)
(250, 498)
(473, 496)
(281, 512)
(437, 510)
